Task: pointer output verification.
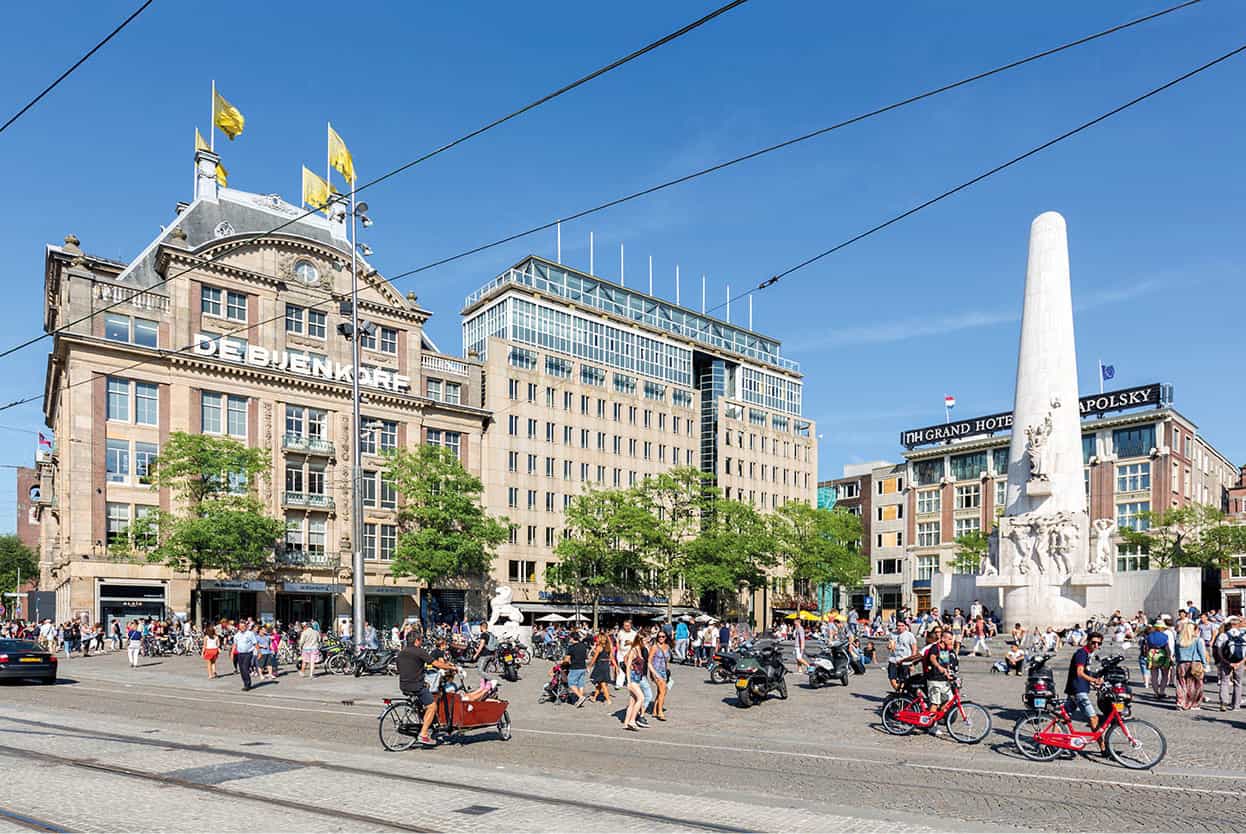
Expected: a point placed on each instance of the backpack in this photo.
(1235, 649)
(1157, 639)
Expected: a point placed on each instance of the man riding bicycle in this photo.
(413, 660)
(1078, 686)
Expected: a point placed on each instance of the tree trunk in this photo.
(670, 597)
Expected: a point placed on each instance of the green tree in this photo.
(1195, 535)
(218, 523)
(445, 531)
(676, 502)
(599, 552)
(736, 547)
(822, 546)
(971, 549)
(16, 559)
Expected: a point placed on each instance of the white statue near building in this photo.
(505, 618)
(1101, 560)
(1038, 449)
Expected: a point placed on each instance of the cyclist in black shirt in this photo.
(413, 661)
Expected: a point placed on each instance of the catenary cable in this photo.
(796, 139)
(74, 66)
(613, 65)
(774, 279)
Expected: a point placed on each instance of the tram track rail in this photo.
(31, 823)
(427, 781)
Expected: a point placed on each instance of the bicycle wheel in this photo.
(969, 724)
(504, 726)
(1023, 736)
(391, 724)
(523, 656)
(338, 663)
(891, 708)
(1143, 751)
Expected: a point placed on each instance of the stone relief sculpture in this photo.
(1038, 449)
(1022, 545)
(1063, 538)
(505, 617)
(1101, 558)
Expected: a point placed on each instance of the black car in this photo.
(26, 659)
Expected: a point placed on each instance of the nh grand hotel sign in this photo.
(297, 363)
(1154, 394)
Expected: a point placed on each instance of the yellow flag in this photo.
(339, 156)
(200, 144)
(222, 176)
(315, 190)
(227, 117)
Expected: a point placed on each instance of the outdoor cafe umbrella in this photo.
(551, 618)
(804, 615)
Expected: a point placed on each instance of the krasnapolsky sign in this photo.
(1143, 395)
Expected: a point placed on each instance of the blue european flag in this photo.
(1109, 371)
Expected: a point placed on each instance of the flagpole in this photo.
(328, 156)
(212, 120)
(1100, 376)
(357, 565)
(947, 412)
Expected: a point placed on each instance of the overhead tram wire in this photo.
(613, 65)
(774, 279)
(74, 66)
(796, 139)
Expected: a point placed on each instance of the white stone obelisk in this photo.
(1043, 535)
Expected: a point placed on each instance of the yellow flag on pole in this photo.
(227, 117)
(339, 157)
(315, 190)
(200, 144)
(222, 176)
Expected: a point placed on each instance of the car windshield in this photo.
(18, 646)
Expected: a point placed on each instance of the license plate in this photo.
(1040, 702)
(1119, 704)
(31, 660)
(742, 683)
(509, 659)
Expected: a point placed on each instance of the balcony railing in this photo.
(310, 500)
(139, 299)
(309, 558)
(442, 364)
(303, 443)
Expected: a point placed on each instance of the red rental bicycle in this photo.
(1135, 744)
(965, 721)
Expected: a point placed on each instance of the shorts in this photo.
(636, 677)
(896, 672)
(211, 654)
(311, 656)
(576, 678)
(424, 696)
(1085, 703)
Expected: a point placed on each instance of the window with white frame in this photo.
(146, 403)
(1128, 514)
(926, 567)
(118, 407)
(1133, 477)
(1130, 557)
(223, 414)
(142, 332)
(927, 533)
(117, 524)
(144, 454)
(521, 570)
(1001, 493)
(117, 457)
(929, 501)
(887, 566)
(969, 497)
(965, 526)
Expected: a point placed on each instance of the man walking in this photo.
(244, 647)
(903, 647)
(681, 641)
(1229, 651)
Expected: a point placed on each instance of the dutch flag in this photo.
(949, 401)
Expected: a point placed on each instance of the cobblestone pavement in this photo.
(817, 761)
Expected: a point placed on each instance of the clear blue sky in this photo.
(1154, 199)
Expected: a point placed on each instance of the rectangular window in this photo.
(389, 541)
(116, 328)
(235, 306)
(1133, 477)
(968, 467)
(295, 317)
(999, 460)
(532, 499)
(433, 389)
(887, 566)
(1134, 442)
(453, 393)
(367, 488)
(1127, 515)
(118, 399)
(387, 435)
(237, 416)
(210, 301)
(315, 479)
(926, 567)
(964, 526)
(118, 522)
(1132, 557)
(1088, 447)
(294, 536)
(453, 441)
(969, 497)
(928, 472)
(1001, 492)
(144, 454)
(369, 541)
(211, 413)
(389, 340)
(521, 570)
(146, 403)
(927, 535)
(315, 536)
(118, 461)
(316, 324)
(929, 501)
(512, 497)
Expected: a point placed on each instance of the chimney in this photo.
(205, 175)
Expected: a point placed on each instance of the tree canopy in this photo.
(822, 546)
(16, 559)
(1195, 535)
(971, 549)
(599, 553)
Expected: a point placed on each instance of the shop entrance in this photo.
(383, 612)
(226, 605)
(305, 608)
(130, 602)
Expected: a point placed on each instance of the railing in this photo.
(141, 299)
(311, 500)
(442, 364)
(303, 443)
(310, 558)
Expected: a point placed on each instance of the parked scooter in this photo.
(760, 672)
(375, 662)
(834, 663)
(723, 664)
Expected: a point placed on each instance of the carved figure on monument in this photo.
(1038, 449)
(1022, 544)
(1063, 541)
(987, 568)
(505, 618)
(1101, 558)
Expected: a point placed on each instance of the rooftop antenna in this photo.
(676, 284)
(702, 293)
(622, 277)
(558, 255)
(590, 254)
(650, 275)
(728, 304)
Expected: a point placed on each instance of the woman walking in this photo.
(636, 669)
(1191, 658)
(211, 650)
(309, 649)
(601, 660)
(134, 636)
(264, 658)
(659, 670)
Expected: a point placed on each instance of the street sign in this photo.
(869, 603)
